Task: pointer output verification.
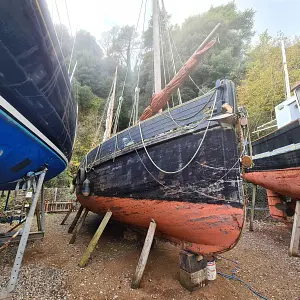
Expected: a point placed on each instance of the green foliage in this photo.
(257, 71)
(263, 86)
(225, 60)
(62, 180)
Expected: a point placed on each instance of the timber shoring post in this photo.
(79, 225)
(67, 215)
(137, 277)
(38, 216)
(6, 201)
(254, 190)
(95, 240)
(42, 209)
(295, 238)
(72, 226)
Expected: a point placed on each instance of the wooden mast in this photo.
(286, 73)
(156, 47)
(110, 110)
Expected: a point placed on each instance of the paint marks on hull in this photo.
(200, 227)
(284, 182)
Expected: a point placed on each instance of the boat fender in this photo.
(81, 175)
(247, 161)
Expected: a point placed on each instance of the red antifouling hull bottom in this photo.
(199, 227)
(284, 182)
(273, 199)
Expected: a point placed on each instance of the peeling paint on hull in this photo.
(284, 182)
(200, 227)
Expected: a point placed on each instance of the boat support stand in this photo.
(37, 190)
(79, 225)
(295, 239)
(254, 190)
(67, 215)
(74, 223)
(95, 240)
(136, 280)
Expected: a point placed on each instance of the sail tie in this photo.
(160, 99)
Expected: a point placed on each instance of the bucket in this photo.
(211, 270)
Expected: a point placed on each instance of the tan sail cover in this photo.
(161, 99)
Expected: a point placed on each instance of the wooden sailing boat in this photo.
(179, 166)
(276, 156)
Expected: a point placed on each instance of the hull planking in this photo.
(200, 207)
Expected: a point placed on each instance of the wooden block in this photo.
(192, 281)
(190, 262)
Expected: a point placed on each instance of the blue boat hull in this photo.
(22, 152)
(38, 113)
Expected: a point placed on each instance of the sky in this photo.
(97, 16)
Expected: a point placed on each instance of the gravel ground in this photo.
(50, 267)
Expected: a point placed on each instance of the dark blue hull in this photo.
(38, 113)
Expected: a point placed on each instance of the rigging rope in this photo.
(171, 50)
(121, 98)
(195, 154)
(68, 16)
(60, 23)
(134, 113)
(172, 40)
(72, 51)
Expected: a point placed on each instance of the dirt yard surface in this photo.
(50, 268)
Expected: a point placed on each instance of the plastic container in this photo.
(211, 270)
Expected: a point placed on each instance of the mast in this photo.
(286, 74)
(110, 109)
(156, 47)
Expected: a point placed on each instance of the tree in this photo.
(263, 86)
(225, 60)
(119, 43)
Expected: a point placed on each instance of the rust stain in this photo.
(202, 228)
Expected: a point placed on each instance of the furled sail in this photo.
(161, 99)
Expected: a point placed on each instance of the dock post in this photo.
(72, 226)
(67, 215)
(94, 240)
(136, 280)
(79, 225)
(295, 239)
(254, 190)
